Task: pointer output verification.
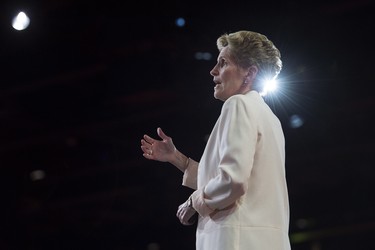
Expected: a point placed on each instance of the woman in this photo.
(240, 186)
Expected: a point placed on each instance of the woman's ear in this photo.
(251, 73)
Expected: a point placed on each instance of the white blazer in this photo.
(240, 186)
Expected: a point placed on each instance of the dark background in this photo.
(86, 80)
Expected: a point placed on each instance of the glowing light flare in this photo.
(296, 121)
(21, 21)
(180, 22)
(269, 86)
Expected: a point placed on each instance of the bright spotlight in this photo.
(269, 86)
(21, 21)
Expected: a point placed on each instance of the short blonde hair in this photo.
(250, 48)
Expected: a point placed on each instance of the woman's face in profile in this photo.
(228, 76)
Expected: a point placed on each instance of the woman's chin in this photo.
(218, 96)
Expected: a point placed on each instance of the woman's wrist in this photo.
(181, 161)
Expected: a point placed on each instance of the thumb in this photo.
(161, 133)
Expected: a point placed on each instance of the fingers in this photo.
(181, 216)
(145, 146)
(148, 156)
(145, 143)
(146, 149)
(148, 139)
(185, 214)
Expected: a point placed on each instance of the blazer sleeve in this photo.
(237, 143)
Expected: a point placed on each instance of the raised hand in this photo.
(159, 150)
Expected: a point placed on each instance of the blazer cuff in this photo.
(199, 204)
(189, 178)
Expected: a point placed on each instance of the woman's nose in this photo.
(213, 71)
